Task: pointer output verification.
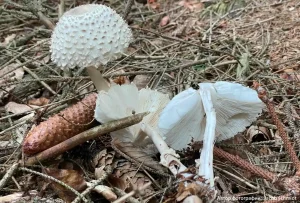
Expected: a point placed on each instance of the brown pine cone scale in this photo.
(61, 126)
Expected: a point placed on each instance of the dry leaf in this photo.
(257, 134)
(19, 133)
(16, 108)
(243, 67)
(239, 139)
(164, 21)
(223, 24)
(184, 191)
(291, 76)
(264, 150)
(12, 75)
(138, 155)
(23, 129)
(39, 101)
(117, 182)
(99, 172)
(192, 5)
(289, 70)
(190, 189)
(19, 197)
(121, 80)
(192, 199)
(141, 81)
(70, 177)
(8, 39)
(103, 158)
(188, 28)
(132, 50)
(154, 4)
(5, 144)
(277, 138)
(129, 173)
(46, 59)
(105, 191)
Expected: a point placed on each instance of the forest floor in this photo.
(177, 44)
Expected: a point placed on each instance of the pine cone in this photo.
(129, 173)
(61, 127)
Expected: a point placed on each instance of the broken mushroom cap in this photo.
(236, 107)
(89, 35)
(180, 121)
(125, 100)
(183, 118)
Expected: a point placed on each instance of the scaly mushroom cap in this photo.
(89, 35)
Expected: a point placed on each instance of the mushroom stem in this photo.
(168, 156)
(97, 78)
(206, 158)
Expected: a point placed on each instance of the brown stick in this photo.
(10, 172)
(83, 137)
(45, 20)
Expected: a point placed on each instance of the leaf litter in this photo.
(251, 40)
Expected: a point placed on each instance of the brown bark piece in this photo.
(62, 126)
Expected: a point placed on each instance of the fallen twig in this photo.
(83, 137)
(93, 185)
(55, 180)
(8, 175)
(128, 8)
(130, 194)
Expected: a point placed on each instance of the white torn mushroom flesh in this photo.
(183, 119)
(122, 101)
(216, 111)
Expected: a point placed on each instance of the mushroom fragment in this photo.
(122, 101)
(89, 36)
(236, 107)
(229, 108)
(183, 118)
(180, 121)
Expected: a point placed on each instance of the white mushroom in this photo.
(180, 121)
(122, 101)
(89, 36)
(236, 107)
(229, 109)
